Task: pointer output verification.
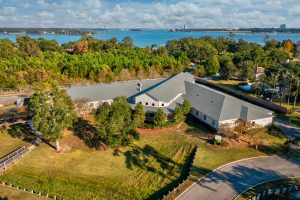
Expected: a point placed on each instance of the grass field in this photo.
(13, 194)
(269, 185)
(141, 171)
(135, 172)
(9, 143)
(233, 84)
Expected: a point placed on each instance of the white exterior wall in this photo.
(146, 99)
(263, 122)
(209, 121)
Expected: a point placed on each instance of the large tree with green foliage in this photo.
(53, 113)
(228, 70)
(213, 66)
(114, 123)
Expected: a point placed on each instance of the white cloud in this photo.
(165, 14)
(45, 14)
(295, 11)
(8, 10)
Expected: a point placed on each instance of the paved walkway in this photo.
(232, 179)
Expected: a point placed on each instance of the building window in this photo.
(153, 104)
(213, 122)
(146, 103)
(163, 104)
(253, 123)
(204, 117)
(197, 113)
(140, 102)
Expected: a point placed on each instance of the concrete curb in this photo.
(220, 168)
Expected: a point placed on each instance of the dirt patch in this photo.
(158, 130)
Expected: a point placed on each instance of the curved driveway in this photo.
(228, 181)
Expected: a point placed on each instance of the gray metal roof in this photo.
(169, 88)
(109, 91)
(221, 106)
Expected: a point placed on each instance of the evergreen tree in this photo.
(186, 107)
(139, 115)
(213, 66)
(159, 118)
(179, 115)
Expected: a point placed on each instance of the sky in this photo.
(149, 13)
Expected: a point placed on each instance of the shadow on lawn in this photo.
(22, 131)
(87, 132)
(143, 159)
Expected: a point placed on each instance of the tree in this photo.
(127, 41)
(199, 71)
(81, 47)
(28, 45)
(159, 118)
(179, 115)
(139, 115)
(247, 69)
(228, 70)
(186, 107)
(213, 66)
(114, 123)
(7, 49)
(53, 113)
(288, 45)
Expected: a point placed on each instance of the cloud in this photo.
(8, 10)
(150, 14)
(295, 11)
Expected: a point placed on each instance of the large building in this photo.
(216, 108)
(208, 105)
(158, 93)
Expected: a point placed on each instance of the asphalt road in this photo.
(230, 180)
(287, 129)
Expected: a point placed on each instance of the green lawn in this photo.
(9, 143)
(13, 194)
(135, 172)
(143, 170)
(269, 185)
(232, 84)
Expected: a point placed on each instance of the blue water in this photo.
(148, 37)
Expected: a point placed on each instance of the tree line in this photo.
(32, 61)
